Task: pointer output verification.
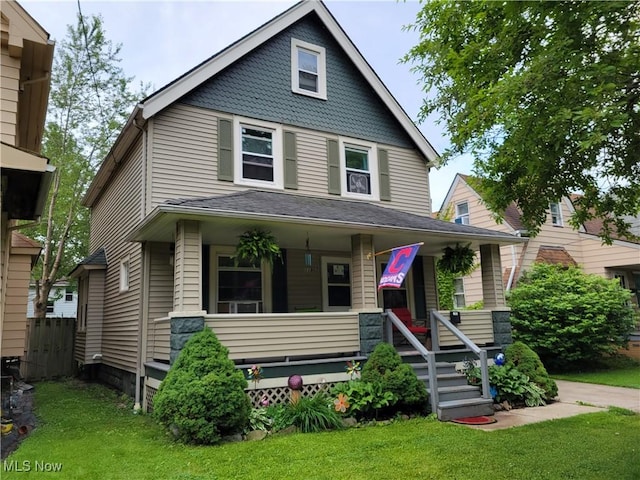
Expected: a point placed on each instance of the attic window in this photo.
(308, 69)
(556, 214)
(462, 213)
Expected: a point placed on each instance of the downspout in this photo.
(142, 312)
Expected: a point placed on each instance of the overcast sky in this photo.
(163, 39)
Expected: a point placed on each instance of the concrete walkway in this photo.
(573, 399)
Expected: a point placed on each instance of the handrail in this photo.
(481, 352)
(429, 356)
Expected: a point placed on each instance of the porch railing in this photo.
(436, 319)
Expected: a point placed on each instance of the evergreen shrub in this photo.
(528, 362)
(385, 367)
(203, 397)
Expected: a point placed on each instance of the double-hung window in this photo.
(308, 69)
(239, 287)
(359, 165)
(124, 275)
(462, 213)
(259, 157)
(336, 283)
(556, 214)
(458, 293)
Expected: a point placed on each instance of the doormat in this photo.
(475, 420)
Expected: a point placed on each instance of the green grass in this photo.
(617, 371)
(85, 430)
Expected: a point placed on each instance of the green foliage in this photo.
(312, 414)
(458, 260)
(256, 245)
(528, 362)
(385, 368)
(446, 288)
(89, 103)
(544, 95)
(203, 397)
(569, 317)
(508, 384)
(365, 398)
(259, 419)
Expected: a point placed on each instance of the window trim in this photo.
(322, 69)
(325, 283)
(125, 274)
(214, 253)
(559, 222)
(372, 150)
(68, 291)
(457, 294)
(463, 216)
(276, 150)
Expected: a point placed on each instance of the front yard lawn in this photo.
(617, 371)
(92, 435)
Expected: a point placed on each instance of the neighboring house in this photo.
(27, 56)
(291, 131)
(62, 303)
(557, 242)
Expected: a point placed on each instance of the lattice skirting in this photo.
(274, 395)
(281, 395)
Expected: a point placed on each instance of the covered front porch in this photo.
(320, 300)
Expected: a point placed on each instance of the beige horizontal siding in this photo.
(272, 335)
(160, 300)
(477, 325)
(15, 307)
(114, 215)
(184, 162)
(95, 315)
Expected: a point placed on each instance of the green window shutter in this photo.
(383, 173)
(333, 165)
(290, 161)
(225, 150)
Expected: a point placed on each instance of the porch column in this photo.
(187, 289)
(492, 286)
(364, 296)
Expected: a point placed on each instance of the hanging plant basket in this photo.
(255, 246)
(459, 259)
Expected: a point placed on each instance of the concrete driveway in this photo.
(573, 399)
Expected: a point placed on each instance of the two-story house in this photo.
(25, 60)
(288, 130)
(557, 242)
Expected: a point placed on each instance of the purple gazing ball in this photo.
(295, 382)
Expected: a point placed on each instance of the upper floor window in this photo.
(462, 213)
(308, 69)
(556, 214)
(68, 295)
(259, 154)
(359, 165)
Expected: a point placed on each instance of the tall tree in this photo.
(545, 96)
(89, 103)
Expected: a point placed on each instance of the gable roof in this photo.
(195, 77)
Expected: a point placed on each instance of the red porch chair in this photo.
(404, 315)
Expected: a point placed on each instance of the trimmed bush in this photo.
(385, 367)
(203, 397)
(569, 317)
(528, 362)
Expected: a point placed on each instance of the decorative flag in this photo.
(398, 266)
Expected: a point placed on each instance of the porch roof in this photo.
(290, 217)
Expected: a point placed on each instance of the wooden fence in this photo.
(49, 349)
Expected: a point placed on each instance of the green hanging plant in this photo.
(459, 259)
(256, 245)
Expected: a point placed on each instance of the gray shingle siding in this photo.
(259, 86)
